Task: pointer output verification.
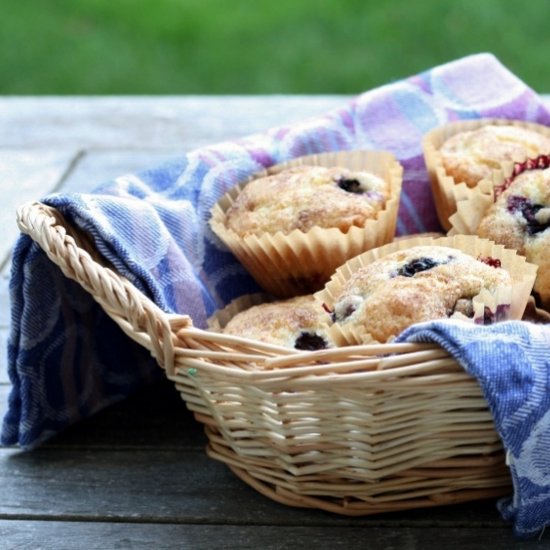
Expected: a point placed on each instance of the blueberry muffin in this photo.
(470, 156)
(382, 298)
(520, 219)
(292, 225)
(299, 323)
(463, 156)
(304, 197)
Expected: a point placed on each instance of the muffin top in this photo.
(412, 285)
(305, 197)
(520, 219)
(470, 156)
(299, 323)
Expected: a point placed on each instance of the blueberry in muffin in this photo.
(520, 218)
(304, 197)
(416, 284)
(299, 323)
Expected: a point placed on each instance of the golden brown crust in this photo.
(305, 197)
(473, 155)
(281, 322)
(384, 297)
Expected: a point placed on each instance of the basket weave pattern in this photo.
(355, 430)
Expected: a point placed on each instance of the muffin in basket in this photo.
(462, 155)
(375, 296)
(472, 155)
(516, 216)
(299, 322)
(292, 225)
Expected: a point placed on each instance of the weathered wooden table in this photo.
(136, 475)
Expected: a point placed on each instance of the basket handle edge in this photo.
(138, 316)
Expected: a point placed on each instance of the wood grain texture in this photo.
(157, 122)
(4, 391)
(25, 175)
(174, 486)
(54, 535)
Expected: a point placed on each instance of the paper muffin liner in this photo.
(446, 190)
(470, 212)
(287, 265)
(509, 302)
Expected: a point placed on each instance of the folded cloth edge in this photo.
(511, 362)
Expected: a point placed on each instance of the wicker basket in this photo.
(355, 431)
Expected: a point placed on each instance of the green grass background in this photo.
(262, 47)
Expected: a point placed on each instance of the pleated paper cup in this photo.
(447, 191)
(472, 209)
(295, 263)
(508, 302)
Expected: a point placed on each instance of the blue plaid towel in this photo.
(67, 359)
(511, 361)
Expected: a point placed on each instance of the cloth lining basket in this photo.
(354, 431)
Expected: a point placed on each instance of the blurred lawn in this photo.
(237, 47)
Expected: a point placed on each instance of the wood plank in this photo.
(155, 121)
(174, 486)
(27, 175)
(4, 391)
(54, 535)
